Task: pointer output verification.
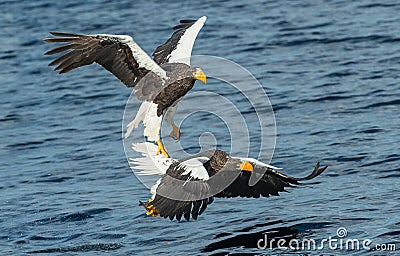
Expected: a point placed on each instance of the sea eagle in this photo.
(159, 82)
(187, 186)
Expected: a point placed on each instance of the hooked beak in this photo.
(246, 166)
(199, 75)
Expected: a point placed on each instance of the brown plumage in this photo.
(163, 52)
(180, 82)
(222, 170)
(110, 52)
(116, 54)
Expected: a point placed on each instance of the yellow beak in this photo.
(200, 76)
(246, 166)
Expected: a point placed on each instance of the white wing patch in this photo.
(150, 163)
(140, 56)
(184, 48)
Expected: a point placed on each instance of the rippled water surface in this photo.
(331, 70)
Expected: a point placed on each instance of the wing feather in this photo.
(270, 182)
(119, 54)
(176, 197)
(178, 48)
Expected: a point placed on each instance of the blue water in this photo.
(331, 70)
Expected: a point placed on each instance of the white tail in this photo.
(147, 114)
(139, 118)
(152, 123)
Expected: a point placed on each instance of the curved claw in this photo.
(151, 210)
(176, 132)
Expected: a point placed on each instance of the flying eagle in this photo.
(160, 82)
(189, 185)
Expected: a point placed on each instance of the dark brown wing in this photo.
(169, 208)
(176, 198)
(178, 47)
(118, 54)
(271, 183)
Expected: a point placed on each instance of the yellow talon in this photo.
(162, 149)
(150, 209)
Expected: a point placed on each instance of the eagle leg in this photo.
(161, 149)
(151, 210)
(176, 132)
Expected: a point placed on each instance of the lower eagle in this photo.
(188, 186)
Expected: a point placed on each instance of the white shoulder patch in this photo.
(195, 168)
(256, 162)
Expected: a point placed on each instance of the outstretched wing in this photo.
(271, 183)
(119, 54)
(178, 48)
(185, 207)
(172, 196)
(183, 192)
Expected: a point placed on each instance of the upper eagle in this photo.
(160, 82)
